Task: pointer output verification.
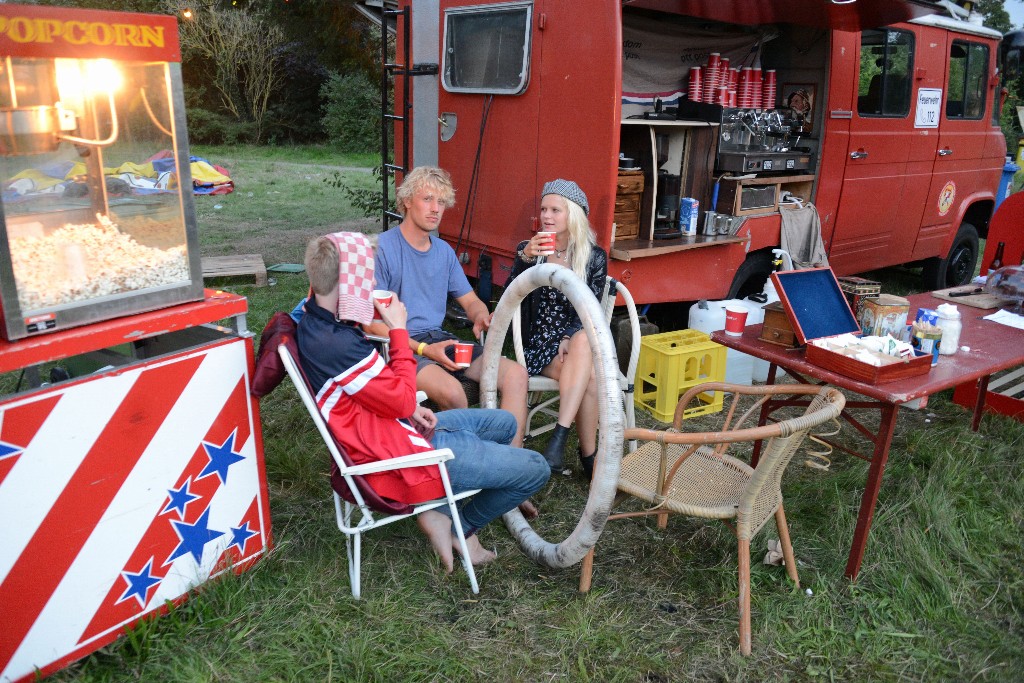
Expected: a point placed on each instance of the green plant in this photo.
(352, 112)
(210, 127)
(367, 200)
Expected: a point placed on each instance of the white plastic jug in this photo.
(740, 368)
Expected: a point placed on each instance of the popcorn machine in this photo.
(97, 216)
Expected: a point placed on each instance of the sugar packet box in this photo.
(689, 210)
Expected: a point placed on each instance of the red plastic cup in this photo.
(463, 354)
(548, 237)
(382, 297)
(735, 320)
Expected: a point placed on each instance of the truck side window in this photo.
(886, 62)
(968, 80)
(487, 48)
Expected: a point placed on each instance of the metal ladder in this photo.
(392, 70)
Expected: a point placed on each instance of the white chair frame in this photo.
(367, 518)
(538, 385)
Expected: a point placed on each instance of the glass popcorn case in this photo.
(97, 214)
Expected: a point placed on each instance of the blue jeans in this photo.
(483, 460)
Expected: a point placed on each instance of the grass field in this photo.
(940, 595)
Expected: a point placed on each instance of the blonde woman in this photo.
(554, 343)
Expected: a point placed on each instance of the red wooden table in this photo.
(993, 347)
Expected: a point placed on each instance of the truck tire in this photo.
(611, 421)
(958, 266)
(752, 274)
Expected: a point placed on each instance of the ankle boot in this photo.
(587, 461)
(555, 449)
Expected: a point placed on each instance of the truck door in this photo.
(883, 157)
(488, 112)
(961, 169)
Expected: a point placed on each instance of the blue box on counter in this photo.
(689, 210)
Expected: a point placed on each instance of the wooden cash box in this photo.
(816, 308)
(777, 328)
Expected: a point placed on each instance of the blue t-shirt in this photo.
(417, 278)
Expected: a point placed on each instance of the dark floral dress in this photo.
(547, 314)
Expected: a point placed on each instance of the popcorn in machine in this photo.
(97, 215)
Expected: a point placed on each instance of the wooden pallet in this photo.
(240, 264)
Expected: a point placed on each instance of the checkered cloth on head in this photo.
(569, 190)
(355, 276)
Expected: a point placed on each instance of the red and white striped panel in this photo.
(119, 492)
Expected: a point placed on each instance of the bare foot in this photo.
(478, 555)
(528, 509)
(438, 529)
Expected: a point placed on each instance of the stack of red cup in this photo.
(768, 90)
(696, 83)
(745, 88)
(712, 77)
(719, 83)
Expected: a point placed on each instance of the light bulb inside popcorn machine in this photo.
(80, 83)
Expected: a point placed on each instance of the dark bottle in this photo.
(997, 260)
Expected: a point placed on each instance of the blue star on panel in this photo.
(221, 458)
(180, 498)
(239, 535)
(139, 584)
(194, 537)
(7, 450)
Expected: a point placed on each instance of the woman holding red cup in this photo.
(554, 343)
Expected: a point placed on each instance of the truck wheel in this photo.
(958, 267)
(752, 274)
(611, 420)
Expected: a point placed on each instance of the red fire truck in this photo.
(883, 114)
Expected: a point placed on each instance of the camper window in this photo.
(886, 61)
(487, 48)
(968, 78)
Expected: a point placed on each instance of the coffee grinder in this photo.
(666, 224)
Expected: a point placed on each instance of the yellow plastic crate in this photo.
(673, 362)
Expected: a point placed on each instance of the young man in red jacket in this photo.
(370, 406)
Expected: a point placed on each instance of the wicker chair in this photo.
(691, 474)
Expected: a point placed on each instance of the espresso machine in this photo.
(753, 141)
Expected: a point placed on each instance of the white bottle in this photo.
(949, 323)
